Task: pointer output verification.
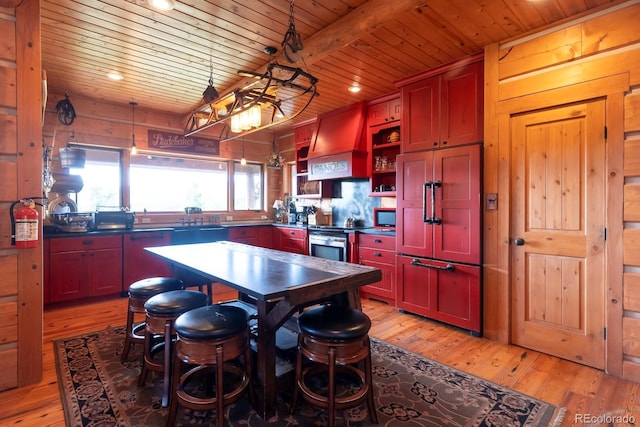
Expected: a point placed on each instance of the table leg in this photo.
(266, 364)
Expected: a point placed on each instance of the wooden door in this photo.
(558, 231)
(413, 171)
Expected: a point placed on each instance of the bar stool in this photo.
(334, 338)
(161, 312)
(209, 339)
(139, 293)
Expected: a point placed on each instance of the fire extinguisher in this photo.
(24, 224)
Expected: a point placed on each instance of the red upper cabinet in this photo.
(438, 204)
(386, 110)
(444, 109)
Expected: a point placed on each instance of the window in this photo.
(248, 187)
(102, 183)
(166, 184)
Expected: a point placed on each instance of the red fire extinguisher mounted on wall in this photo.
(24, 224)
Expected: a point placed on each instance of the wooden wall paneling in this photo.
(7, 86)
(29, 177)
(614, 226)
(8, 44)
(610, 30)
(632, 291)
(631, 341)
(9, 274)
(632, 156)
(550, 49)
(632, 112)
(8, 189)
(632, 202)
(631, 238)
(8, 368)
(8, 139)
(496, 299)
(581, 71)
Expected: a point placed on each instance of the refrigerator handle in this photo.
(434, 218)
(448, 267)
(425, 218)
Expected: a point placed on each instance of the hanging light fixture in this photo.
(268, 98)
(210, 94)
(243, 161)
(134, 149)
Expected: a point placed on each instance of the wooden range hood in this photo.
(338, 145)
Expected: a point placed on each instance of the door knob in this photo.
(518, 241)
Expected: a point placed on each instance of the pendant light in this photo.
(134, 149)
(243, 161)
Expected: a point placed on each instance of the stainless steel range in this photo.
(329, 242)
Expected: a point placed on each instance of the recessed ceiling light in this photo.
(114, 75)
(162, 4)
(354, 89)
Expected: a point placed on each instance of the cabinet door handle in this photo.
(377, 254)
(87, 242)
(448, 267)
(425, 186)
(377, 241)
(292, 232)
(434, 218)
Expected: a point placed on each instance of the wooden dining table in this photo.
(279, 283)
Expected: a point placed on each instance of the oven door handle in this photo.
(448, 267)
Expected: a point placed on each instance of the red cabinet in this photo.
(84, 267)
(384, 110)
(379, 251)
(448, 292)
(443, 110)
(439, 227)
(140, 264)
(248, 235)
(438, 203)
(291, 239)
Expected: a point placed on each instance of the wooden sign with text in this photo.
(158, 140)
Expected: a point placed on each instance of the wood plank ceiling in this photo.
(166, 57)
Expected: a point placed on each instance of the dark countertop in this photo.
(111, 232)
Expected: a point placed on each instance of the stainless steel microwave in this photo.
(384, 217)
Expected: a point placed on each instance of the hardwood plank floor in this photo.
(585, 392)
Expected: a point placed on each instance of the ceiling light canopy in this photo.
(162, 4)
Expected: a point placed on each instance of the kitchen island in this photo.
(279, 283)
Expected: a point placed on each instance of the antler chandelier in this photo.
(274, 96)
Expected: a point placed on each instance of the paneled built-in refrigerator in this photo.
(439, 272)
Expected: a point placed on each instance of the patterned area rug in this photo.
(97, 390)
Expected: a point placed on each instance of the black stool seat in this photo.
(139, 292)
(333, 322)
(211, 322)
(151, 286)
(174, 302)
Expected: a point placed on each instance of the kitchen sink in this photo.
(197, 234)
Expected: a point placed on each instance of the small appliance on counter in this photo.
(113, 220)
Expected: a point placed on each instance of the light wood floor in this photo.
(580, 389)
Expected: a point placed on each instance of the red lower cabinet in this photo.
(447, 292)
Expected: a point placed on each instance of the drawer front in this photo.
(293, 233)
(377, 241)
(377, 255)
(243, 233)
(298, 246)
(85, 243)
